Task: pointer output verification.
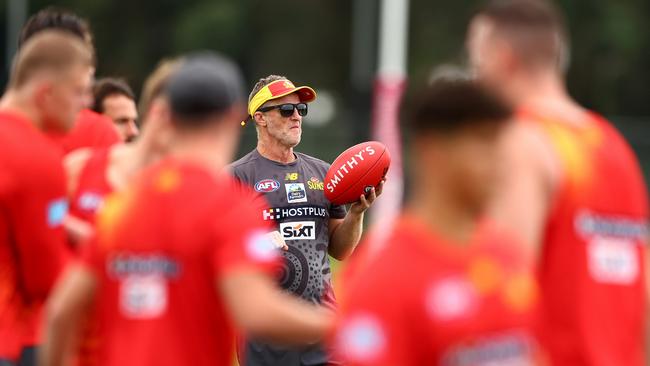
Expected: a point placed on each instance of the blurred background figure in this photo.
(445, 288)
(115, 100)
(572, 191)
(90, 129)
(51, 76)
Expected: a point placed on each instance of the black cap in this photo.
(205, 84)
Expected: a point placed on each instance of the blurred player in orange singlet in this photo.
(572, 190)
(50, 78)
(182, 252)
(90, 129)
(444, 288)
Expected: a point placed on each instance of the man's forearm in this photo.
(346, 236)
(67, 306)
(283, 318)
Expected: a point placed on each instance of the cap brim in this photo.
(305, 93)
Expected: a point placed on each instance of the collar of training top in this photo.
(279, 89)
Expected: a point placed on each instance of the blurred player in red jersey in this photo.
(444, 288)
(95, 173)
(48, 86)
(182, 252)
(572, 190)
(90, 129)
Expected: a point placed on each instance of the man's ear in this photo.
(41, 92)
(259, 119)
(158, 111)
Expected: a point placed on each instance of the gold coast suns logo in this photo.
(315, 184)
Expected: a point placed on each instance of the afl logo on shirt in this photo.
(267, 185)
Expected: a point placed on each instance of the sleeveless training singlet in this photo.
(592, 265)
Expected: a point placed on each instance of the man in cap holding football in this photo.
(312, 227)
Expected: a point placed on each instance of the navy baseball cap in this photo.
(205, 84)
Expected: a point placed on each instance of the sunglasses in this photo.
(286, 110)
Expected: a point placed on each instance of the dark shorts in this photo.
(27, 358)
(261, 354)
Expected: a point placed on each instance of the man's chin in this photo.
(293, 142)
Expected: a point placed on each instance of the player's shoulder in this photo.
(77, 159)
(26, 147)
(17, 132)
(372, 265)
(371, 279)
(245, 162)
(187, 184)
(313, 161)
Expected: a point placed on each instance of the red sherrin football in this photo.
(355, 171)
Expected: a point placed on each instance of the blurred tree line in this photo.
(311, 42)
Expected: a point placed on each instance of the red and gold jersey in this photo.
(423, 301)
(32, 240)
(592, 267)
(161, 246)
(91, 130)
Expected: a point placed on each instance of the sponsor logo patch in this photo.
(613, 260)
(143, 297)
(267, 185)
(362, 338)
(296, 192)
(501, 349)
(298, 230)
(90, 201)
(143, 282)
(451, 299)
(280, 213)
(56, 212)
(315, 184)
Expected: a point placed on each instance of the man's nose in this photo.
(296, 115)
(133, 129)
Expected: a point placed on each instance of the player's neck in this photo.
(16, 103)
(274, 150)
(545, 92)
(126, 161)
(210, 150)
(443, 213)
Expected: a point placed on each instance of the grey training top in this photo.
(297, 204)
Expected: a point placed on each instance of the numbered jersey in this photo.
(592, 269)
(298, 208)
